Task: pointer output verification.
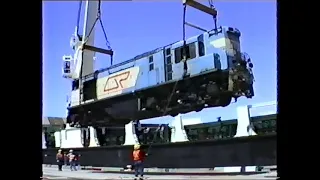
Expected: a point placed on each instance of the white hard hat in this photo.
(136, 146)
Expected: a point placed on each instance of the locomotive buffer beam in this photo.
(200, 7)
(99, 50)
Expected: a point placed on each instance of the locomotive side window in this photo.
(151, 66)
(67, 67)
(168, 51)
(151, 59)
(201, 48)
(190, 52)
(169, 60)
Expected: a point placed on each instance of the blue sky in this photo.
(137, 27)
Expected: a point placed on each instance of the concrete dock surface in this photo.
(67, 174)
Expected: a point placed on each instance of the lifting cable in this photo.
(185, 66)
(184, 55)
(78, 18)
(184, 47)
(93, 26)
(215, 16)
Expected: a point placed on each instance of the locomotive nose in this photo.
(250, 91)
(242, 76)
(248, 75)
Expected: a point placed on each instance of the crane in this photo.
(83, 58)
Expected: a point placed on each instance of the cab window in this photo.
(201, 48)
(190, 52)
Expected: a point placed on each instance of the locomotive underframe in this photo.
(190, 94)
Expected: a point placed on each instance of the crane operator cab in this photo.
(69, 62)
(66, 71)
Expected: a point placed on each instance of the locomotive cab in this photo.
(66, 70)
(238, 64)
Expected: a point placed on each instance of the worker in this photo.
(72, 159)
(60, 159)
(77, 161)
(65, 159)
(138, 158)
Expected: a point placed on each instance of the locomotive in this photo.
(164, 82)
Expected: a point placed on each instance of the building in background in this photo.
(49, 126)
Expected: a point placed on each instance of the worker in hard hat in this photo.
(138, 157)
(72, 159)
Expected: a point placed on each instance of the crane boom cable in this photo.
(184, 54)
(215, 16)
(105, 35)
(184, 57)
(91, 29)
(103, 30)
(78, 18)
(102, 26)
(93, 26)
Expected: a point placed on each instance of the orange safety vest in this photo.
(138, 155)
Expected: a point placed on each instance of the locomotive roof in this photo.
(145, 54)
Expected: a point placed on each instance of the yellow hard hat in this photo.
(136, 146)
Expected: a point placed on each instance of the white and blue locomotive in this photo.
(163, 82)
